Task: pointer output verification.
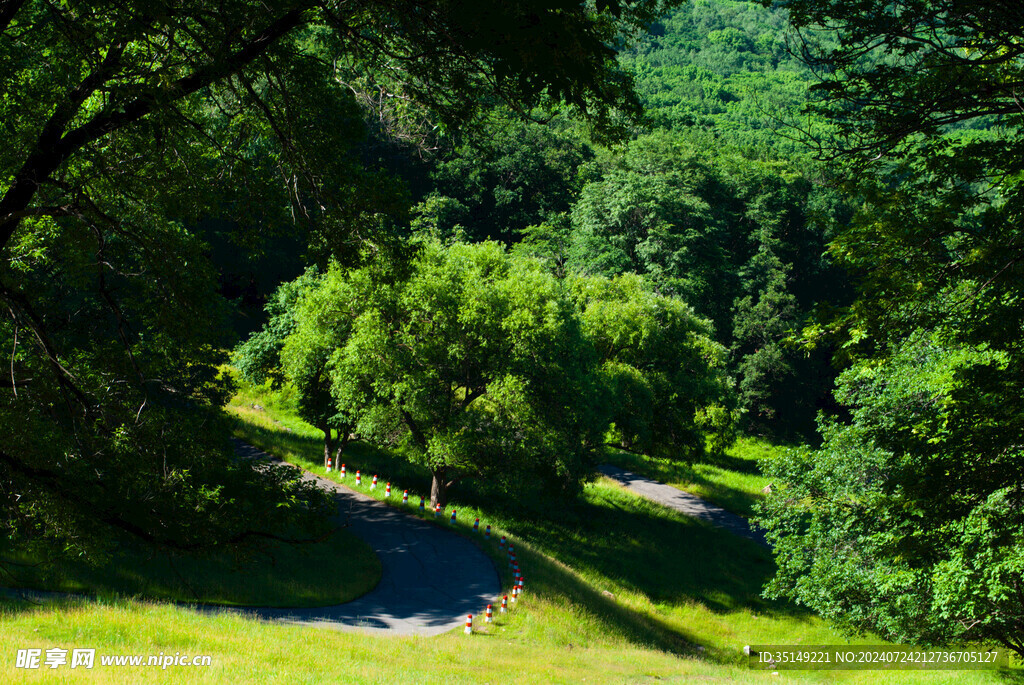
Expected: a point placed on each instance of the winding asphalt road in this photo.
(431, 577)
(684, 502)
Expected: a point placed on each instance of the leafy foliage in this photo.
(130, 130)
(922, 486)
(720, 70)
(739, 239)
(915, 503)
(653, 214)
(663, 375)
(258, 359)
(519, 174)
(888, 71)
(474, 364)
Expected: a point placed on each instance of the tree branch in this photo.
(65, 378)
(7, 11)
(479, 391)
(417, 434)
(56, 482)
(52, 148)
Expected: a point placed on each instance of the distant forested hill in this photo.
(721, 66)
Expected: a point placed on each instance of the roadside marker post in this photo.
(387, 490)
(452, 521)
(329, 464)
(489, 617)
(342, 470)
(469, 624)
(405, 497)
(476, 526)
(374, 483)
(359, 477)
(487, 533)
(504, 604)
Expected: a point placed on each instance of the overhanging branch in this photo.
(54, 147)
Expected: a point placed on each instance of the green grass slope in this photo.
(618, 590)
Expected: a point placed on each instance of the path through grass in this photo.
(733, 480)
(618, 590)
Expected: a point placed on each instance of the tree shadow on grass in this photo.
(269, 572)
(307, 451)
(731, 463)
(639, 547)
(665, 555)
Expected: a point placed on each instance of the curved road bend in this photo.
(684, 502)
(431, 577)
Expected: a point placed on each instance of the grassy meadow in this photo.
(618, 590)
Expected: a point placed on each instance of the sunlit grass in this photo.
(682, 600)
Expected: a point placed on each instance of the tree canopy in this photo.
(739, 239)
(475, 365)
(662, 374)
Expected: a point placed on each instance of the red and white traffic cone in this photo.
(487, 533)
(469, 624)
(452, 521)
(387, 491)
(342, 470)
(329, 464)
(405, 497)
(374, 483)
(504, 604)
(501, 543)
(476, 526)
(359, 478)
(489, 616)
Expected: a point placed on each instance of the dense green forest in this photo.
(707, 197)
(498, 238)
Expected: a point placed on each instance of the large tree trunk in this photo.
(344, 438)
(438, 489)
(328, 442)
